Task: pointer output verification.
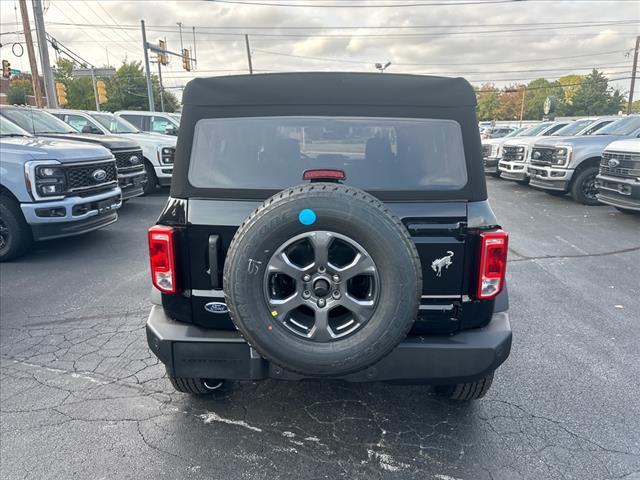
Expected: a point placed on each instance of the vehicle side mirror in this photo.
(171, 131)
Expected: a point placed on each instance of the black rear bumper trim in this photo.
(191, 351)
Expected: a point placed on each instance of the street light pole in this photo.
(524, 93)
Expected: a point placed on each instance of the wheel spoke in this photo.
(280, 263)
(362, 265)
(361, 309)
(283, 307)
(320, 242)
(321, 331)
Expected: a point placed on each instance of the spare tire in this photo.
(323, 280)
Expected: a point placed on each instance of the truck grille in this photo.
(486, 151)
(80, 179)
(510, 153)
(542, 155)
(620, 164)
(128, 160)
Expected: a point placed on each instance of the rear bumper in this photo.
(190, 351)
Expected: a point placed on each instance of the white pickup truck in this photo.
(158, 150)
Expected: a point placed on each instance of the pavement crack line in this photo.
(524, 258)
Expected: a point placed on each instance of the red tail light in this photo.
(493, 263)
(323, 174)
(163, 260)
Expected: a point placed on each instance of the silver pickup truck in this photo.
(52, 188)
(618, 182)
(492, 150)
(570, 165)
(516, 151)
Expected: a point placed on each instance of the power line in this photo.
(370, 62)
(357, 5)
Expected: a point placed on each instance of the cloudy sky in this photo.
(502, 41)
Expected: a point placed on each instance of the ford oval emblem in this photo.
(99, 175)
(134, 160)
(613, 162)
(216, 307)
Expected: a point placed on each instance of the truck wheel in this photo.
(555, 193)
(196, 386)
(152, 180)
(323, 280)
(467, 391)
(15, 234)
(583, 189)
(524, 181)
(495, 174)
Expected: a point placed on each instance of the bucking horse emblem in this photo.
(439, 263)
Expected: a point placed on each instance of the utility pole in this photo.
(147, 70)
(195, 54)
(633, 74)
(43, 46)
(246, 41)
(180, 30)
(33, 63)
(95, 89)
(524, 94)
(161, 89)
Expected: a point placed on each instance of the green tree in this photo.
(635, 106)
(80, 93)
(488, 102)
(19, 88)
(537, 91)
(127, 90)
(595, 97)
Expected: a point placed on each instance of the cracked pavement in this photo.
(81, 396)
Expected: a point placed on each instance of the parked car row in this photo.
(66, 172)
(590, 159)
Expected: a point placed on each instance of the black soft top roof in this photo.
(329, 88)
(331, 94)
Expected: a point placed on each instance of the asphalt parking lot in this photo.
(82, 397)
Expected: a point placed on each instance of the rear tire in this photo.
(583, 188)
(15, 233)
(196, 386)
(152, 180)
(465, 392)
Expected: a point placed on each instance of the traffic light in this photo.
(6, 69)
(162, 57)
(186, 60)
(61, 94)
(102, 92)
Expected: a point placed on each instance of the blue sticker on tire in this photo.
(307, 217)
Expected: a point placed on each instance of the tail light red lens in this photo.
(493, 263)
(163, 260)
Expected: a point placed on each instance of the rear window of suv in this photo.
(387, 154)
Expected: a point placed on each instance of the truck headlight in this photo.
(45, 179)
(561, 155)
(167, 154)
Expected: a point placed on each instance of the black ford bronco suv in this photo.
(329, 225)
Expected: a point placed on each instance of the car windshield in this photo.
(535, 130)
(113, 123)
(9, 129)
(573, 128)
(386, 154)
(37, 121)
(624, 126)
(515, 133)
